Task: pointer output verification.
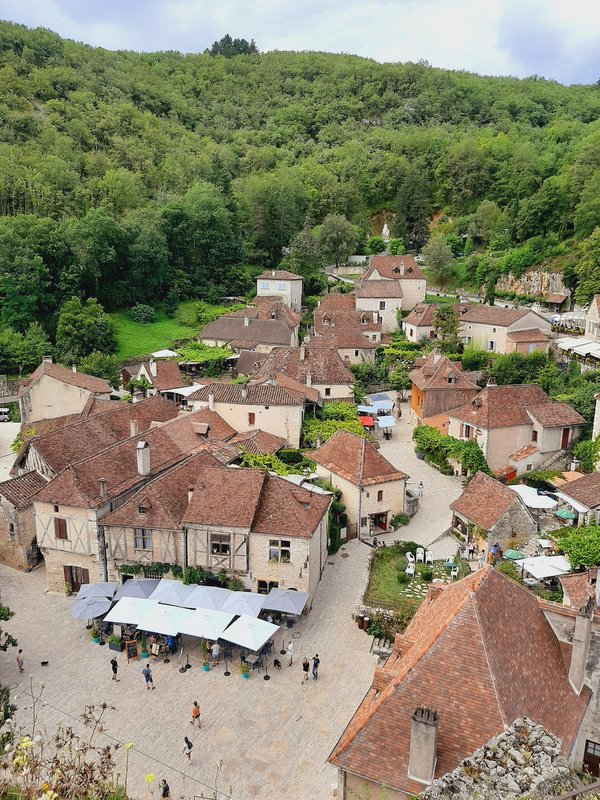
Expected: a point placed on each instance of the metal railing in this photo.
(582, 793)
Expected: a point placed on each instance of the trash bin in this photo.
(361, 621)
(366, 623)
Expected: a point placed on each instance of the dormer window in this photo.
(364, 319)
(143, 509)
(451, 379)
(410, 269)
(397, 270)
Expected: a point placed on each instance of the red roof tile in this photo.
(492, 315)
(395, 267)
(270, 308)
(525, 452)
(279, 274)
(438, 372)
(373, 289)
(321, 360)
(585, 490)
(258, 442)
(555, 415)
(20, 491)
(484, 501)
(501, 406)
(421, 316)
(263, 394)
(79, 379)
(529, 335)
(355, 459)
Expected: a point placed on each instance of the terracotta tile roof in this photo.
(524, 452)
(43, 426)
(501, 406)
(261, 394)
(218, 428)
(284, 508)
(249, 361)
(395, 267)
(279, 274)
(88, 382)
(321, 360)
(168, 376)
(348, 337)
(556, 298)
(528, 335)
(225, 497)
(85, 437)
(356, 460)
(439, 421)
(484, 501)
(378, 288)
(258, 442)
(312, 395)
(421, 316)
(471, 629)
(232, 328)
(270, 308)
(438, 372)
(579, 587)
(585, 490)
(20, 491)
(165, 498)
(492, 315)
(334, 303)
(170, 442)
(555, 415)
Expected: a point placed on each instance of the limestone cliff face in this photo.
(534, 282)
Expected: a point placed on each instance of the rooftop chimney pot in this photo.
(102, 486)
(423, 744)
(143, 458)
(47, 359)
(74, 368)
(211, 401)
(133, 427)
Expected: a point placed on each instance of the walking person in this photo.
(215, 652)
(471, 551)
(165, 792)
(290, 653)
(20, 661)
(305, 666)
(315, 667)
(420, 490)
(115, 666)
(195, 714)
(481, 559)
(147, 673)
(187, 748)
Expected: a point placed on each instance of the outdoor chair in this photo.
(410, 569)
(257, 664)
(449, 563)
(454, 572)
(420, 554)
(428, 557)
(227, 653)
(410, 558)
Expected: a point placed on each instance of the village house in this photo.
(592, 319)
(248, 333)
(285, 285)
(355, 334)
(439, 385)
(248, 362)
(382, 298)
(504, 330)
(403, 269)
(488, 513)
(271, 408)
(583, 498)
(578, 586)
(158, 376)
(276, 537)
(315, 364)
(418, 324)
(55, 391)
(373, 490)
(518, 427)
(18, 548)
(67, 511)
(477, 655)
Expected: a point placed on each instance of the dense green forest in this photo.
(156, 177)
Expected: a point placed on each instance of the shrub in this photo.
(142, 313)
(235, 585)
(376, 244)
(508, 568)
(402, 577)
(427, 574)
(406, 547)
(399, 519)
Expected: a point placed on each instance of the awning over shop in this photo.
(244, 603)
(386, 422)
(172, 592)
(249, 632)
(383, 405)
(285, 600)
(137, 587)
(128, 611)
(96, 590)
(90, 607)
(365, 410)
(367, 422)
(545, 566)
(206, 623)
(185, 391)
(207, 597)
(168, 620)
(532, 499)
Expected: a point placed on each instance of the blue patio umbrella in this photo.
(90, 607)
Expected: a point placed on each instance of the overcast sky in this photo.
(558, 39)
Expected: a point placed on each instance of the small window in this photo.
(220, 544)
(280, 550)
(491, 346)
(470, 326)
(534, 435)
(592, 748)
(142, 509)
(11, 528)
(264, 587)
(60, 528)
(56, 509)
(327, 391)
(356, 352)
(142, 539)
(264, 284)
(251, 418)
(363, 522)
(493, 330)
(529, 467)
(380, 495)
(281, 287)
(382, 305)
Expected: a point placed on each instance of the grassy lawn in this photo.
(385, 590)
(438, 301)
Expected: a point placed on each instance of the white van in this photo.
(4, 415)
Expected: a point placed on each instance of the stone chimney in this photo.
(302, 352)
(152, 365)
(47, 360)
(143, 458)
(436, 356)
(133, 427)
(244, 392)
(423, 744)
(581, 644)
(246, 321)
(102, 487)
(190, 494)
(211, 401)
(74, 368)
(309, 379)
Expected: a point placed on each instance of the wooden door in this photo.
(76, 576)
(591, 758)
(565, 439)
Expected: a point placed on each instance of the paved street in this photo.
(273, 737)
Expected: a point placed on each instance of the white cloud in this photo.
(556, 38)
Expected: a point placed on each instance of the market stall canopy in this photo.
(368, 410)
(207, 597)
(286, 600)
(383, 405)
(127, 611)
(206, 623)
(244, 603)
(367, 422)
(545, 566)
(532, 499)
(159, 618)
(379, 396)
(513, 555)
(164, 354)
(90, 607)
(172, 592)
(185, 391)
(137, 587)
(386, 422)
(249, 632)
(96, 590)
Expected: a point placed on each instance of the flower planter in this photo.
(245, 676)
(205, 667)
(96, 639)
(144, 654)
(118, 647)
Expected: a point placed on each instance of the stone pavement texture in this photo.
(273, 737)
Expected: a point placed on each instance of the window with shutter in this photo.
(60, 528)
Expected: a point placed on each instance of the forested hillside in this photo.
(142, 177)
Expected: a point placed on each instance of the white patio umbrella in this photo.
(544, 566)
(386, 422)
(127, 611)
(90, 607)
(96, 590)
(210, 597)
(137, 587)
(206, 623)
(286, 600)
(532, 499)
(244, 603)
(159, 618)
(172, 592)
(249, 632)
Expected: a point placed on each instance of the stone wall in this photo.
(8, 388)
(535, 282)
(524, 760)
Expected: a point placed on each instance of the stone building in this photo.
(439, 385)
(287, 286)
(504, 330)
(390, 284)
(18, 548)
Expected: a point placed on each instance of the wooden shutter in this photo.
(60, 528)
(67, 574)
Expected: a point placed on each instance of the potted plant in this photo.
(245, 670)
(204, 651)
(68, 589)
(116, 643)
(144, 650)
(95, 636)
